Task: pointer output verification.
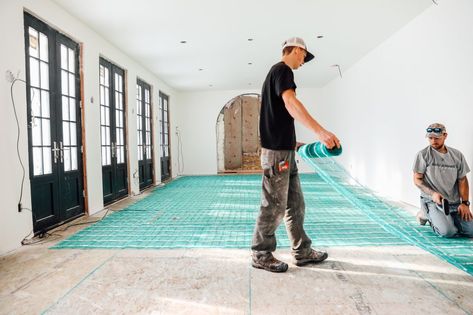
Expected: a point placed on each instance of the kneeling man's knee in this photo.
(446, 231)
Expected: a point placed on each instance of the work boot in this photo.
(421, 218)
(314, 257)
(269, 263)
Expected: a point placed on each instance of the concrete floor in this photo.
(354, 280)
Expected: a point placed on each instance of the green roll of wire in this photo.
(318, 150)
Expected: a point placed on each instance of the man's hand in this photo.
(464, 212)
(437, 198)
(329, 139)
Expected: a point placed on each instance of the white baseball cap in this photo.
(298, 42)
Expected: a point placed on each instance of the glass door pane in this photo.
(105, 116)
(119, 119)
(139, 122)
(40, 119)
(69, 145)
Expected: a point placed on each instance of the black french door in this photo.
(112, 132)
(54, 125)
(144, 131)
(164, 135)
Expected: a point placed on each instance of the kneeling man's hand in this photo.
(464, 212)
(437, 198)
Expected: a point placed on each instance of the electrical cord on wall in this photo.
(18, 143)
(44, 237)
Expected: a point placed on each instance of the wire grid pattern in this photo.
(395, 220)
(220, 212)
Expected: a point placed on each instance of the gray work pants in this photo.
(446, 225)
(281, 198)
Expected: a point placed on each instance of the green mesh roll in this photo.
(318, 150)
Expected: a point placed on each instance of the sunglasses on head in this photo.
(436, 130)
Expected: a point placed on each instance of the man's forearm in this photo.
(423, 187)
(297, 110)
(463, 188)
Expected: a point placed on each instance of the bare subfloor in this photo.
(354, 280)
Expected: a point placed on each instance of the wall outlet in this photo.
(9, 76)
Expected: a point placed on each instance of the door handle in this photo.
(55, 150)
(61, 151)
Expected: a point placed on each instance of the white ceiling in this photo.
(217, 33)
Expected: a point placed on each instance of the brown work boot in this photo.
(269, 263)
(314, 257)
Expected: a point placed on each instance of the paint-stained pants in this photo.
(451, 225)
(281, 198)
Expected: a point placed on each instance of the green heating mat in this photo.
(220, 212)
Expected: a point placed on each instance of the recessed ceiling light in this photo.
(183, 41)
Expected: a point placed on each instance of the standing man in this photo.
(281, 193)
(440, 173)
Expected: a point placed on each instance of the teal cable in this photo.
(318, 150)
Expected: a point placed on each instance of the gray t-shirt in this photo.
(442, 171)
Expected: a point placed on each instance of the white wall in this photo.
(13, 225)
(198, 112)
(382, 105)
(197, 118)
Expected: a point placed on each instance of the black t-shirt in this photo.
(276, 124)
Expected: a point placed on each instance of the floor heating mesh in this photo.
(220, 212)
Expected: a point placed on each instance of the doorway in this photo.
(238, 141)
(145, 135)
(164, 136)
(54, 125)
(112, 132)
